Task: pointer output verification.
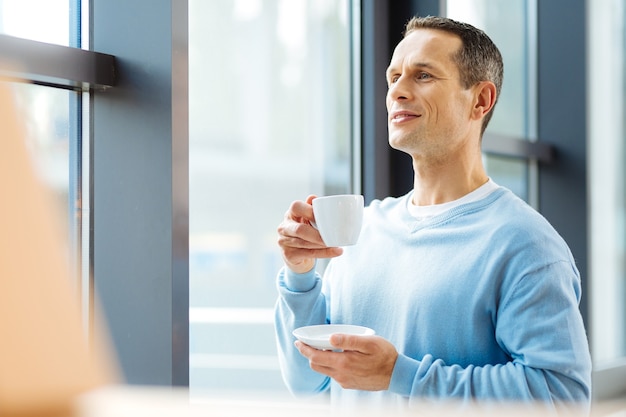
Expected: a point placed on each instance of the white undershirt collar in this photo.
(426, 212)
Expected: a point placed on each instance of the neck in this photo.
(437, 184)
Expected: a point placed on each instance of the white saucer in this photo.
(319, 336)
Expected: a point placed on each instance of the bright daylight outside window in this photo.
(507, 23)
(269, 124)
(38, 20)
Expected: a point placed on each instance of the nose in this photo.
(399, 90)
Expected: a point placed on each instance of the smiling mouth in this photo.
(403, 117)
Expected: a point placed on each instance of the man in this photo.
(472, 294)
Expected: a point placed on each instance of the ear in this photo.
(484, 99)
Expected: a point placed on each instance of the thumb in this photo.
(348, 342)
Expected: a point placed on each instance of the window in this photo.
(52, 79)
(607, 158)
(510, 25)
(52, 116)
(270, 122)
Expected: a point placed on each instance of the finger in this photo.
(317, 355)
(306, 350)
(296, 255)
(296, 231)
(300, 247)
(296, 234)
(301, 243)
(328, 371)
(319, 360)
(297, 243)
(302, 347)
(301, 210)
(355, 343)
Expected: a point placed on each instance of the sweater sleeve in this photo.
(540, 328)
(300, 303)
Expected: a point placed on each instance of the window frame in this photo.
(55, 65)
(82, 72)
(140, 164)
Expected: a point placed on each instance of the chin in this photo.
(399, 144)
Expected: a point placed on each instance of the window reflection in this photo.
(269, 123)
(46, 119)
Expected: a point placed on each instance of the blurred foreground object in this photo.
(136, 401)
(46, 359)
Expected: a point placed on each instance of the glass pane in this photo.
(507, 25)
(46, 116)
(607, 150)
(269, 123)
(508, 172)
(39, 20)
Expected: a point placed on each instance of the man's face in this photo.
(428, 109)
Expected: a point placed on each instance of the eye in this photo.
(394, 79)
(424, 76)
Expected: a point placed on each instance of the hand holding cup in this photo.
(302, 232)
(338, 218)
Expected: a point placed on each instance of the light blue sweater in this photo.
(481, 303)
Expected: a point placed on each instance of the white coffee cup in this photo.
(339, 218)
